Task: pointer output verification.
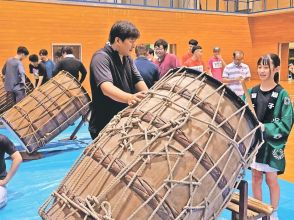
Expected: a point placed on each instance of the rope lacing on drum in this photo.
(125, 143)
(135, 121)
(106, 207)
(157, 127)
(115, 120)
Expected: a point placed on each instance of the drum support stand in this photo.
(73, 135)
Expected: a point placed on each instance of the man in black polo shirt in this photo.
(115, 81)
(70, 64)
(6, 146)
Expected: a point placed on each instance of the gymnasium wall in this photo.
(268, 31)
(38, 25)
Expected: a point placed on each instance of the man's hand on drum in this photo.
(136, 98)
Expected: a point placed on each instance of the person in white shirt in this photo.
(235, 72)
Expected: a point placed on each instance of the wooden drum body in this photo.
(6, 100)
(179, 154)
(47, 111)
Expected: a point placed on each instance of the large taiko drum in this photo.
(47, 111)
(6, 100)
(178, 154)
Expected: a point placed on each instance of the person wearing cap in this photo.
(216, 64)
(189, 53)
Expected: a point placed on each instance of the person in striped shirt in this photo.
(236, 72)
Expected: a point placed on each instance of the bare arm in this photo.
(223, 62)
(16, 160)
(141, 86)
(118, 95)
(235, 80)
(83, 71)
(40, 81)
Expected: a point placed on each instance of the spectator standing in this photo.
(235, 72)
(165, 61)
(147, 69)
(216, 64)
(189, 53)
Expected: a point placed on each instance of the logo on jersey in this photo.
(271, 105)
(287, 101)
(278, 154)
(275, 94)
(277, 136)
(275, 120)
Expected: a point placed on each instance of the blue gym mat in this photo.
(37, 179)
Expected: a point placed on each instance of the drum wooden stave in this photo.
(177, 155)
(47, 111)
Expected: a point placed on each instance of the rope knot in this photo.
(106, 207)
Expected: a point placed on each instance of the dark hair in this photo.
(67, 50)
(151, 51)
(123, 30)
(43, 52)
(238, 52)
(34, 58)
(266, 60)
(23, 50)
(195, 48)
(161, 42)
(58, 53)
(193, 42)
(141, 50)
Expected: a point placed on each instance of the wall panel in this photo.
(38, 25)
(268, 31)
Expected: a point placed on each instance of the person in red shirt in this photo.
(216, 64)
(196, 62)
(189, 54)
(165, 61)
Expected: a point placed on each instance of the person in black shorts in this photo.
(6, 146)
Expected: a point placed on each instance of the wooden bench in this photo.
(247, 208)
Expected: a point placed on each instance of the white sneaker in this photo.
(274, 215)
